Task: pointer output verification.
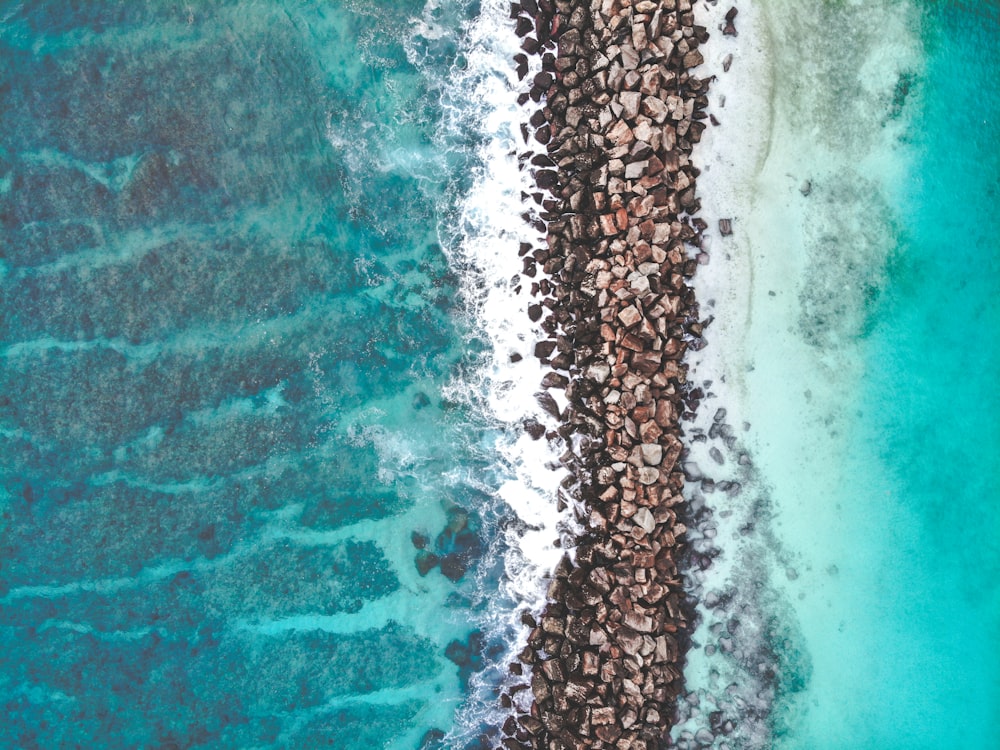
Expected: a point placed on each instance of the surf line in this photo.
(615, 114)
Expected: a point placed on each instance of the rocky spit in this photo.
(615, 112)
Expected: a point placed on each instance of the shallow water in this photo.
(856, 330)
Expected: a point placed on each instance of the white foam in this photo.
(482, 235)
(481, 99)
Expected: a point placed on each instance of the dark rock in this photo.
(426, 561)
(453, 567)
(534, 428)
(543, 349)
(554, 380)
(548, 404)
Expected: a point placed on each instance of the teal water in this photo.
(237, 508)
(928, 438)
(248, 497)
(854, 599)
(894, 518)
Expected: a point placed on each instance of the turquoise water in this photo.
(928, 438)
(892, 524)
(250, 494)
(226, 324)
(856, 342)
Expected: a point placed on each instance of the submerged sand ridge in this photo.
(619, 114)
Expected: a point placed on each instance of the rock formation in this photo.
(618, 113)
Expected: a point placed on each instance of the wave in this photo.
(485, 225)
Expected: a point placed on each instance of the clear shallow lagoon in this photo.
(857, 328)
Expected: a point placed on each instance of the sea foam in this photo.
(482, 231)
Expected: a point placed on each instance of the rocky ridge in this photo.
(619, 111)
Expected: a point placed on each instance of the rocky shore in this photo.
(615, 113)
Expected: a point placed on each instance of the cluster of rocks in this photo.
(456, 548)
(619, 111)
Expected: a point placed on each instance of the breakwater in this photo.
(616, 111)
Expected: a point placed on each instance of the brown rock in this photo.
(693, 59)
(654, 108)
(553, 670)
(620, 133)
(630, 316)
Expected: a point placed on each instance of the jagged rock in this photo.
(652, 453)
(618, 113)
(655, 108)
(630, 316)
(643, 518)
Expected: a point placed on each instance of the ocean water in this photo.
(250, 497)
(265, 363)
(855, 351)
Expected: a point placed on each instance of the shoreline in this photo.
(619, 114)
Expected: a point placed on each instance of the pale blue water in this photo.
(920, 501)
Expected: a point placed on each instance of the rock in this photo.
(621, 134)
(644, 519)
(630, 641)
(453, 567)
(548, 403)
(602, 716)
(599, 371)
(458, 653)
(630, 58)
(630, 101)
(425, 561)
(649, 475)
(654, 108)
(634, 170)
(534, 428)
(652, 453)
(554, 380)
(630, 316)
(616, 201)
(693, 59)
(544, 349)
(704, 737)
(553, 670)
